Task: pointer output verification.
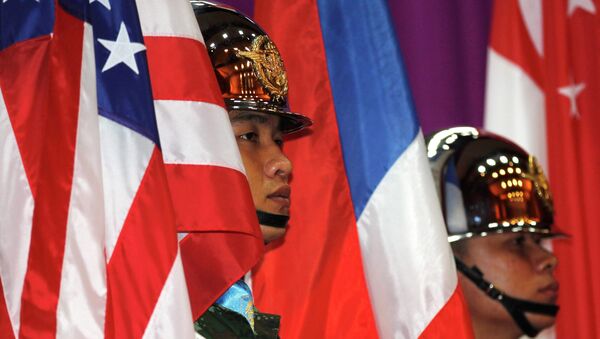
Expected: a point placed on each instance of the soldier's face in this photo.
(260, 141)
(518, 265)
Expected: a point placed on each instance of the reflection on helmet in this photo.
(247, 64)
(488, 184)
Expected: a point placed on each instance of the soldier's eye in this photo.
(250, 136)
(520, 240)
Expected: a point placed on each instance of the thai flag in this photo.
(113, 136)
(366, 252)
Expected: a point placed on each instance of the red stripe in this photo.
(452, 321)
(203, 197)
(180, 69)
(213, 261)
(5, 324)
(18, 88)
(26, 116)
(143, 256)
(42, 280)
(227, 242)
(319, 271)
(511, 39)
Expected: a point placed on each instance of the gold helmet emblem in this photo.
(542, 187)
(268, 66)
(247, 64)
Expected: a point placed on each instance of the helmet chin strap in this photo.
(515, 307)
(273, 220)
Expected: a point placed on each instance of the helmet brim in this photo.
(546, 233)
(290, 122)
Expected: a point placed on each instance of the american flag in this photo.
(113, 136)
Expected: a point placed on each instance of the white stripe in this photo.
(531, 11)
(515, 106)
(125, 157)
(82, 302)
(168, 18)
(172, 315)
(408, 262)
(248, 279)
(16, 216)
(196, 133)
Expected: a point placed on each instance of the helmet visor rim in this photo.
(544, 232)
(290, 122)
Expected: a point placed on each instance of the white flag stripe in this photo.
(125, 156)
(515, 106)
(415, 248)
(82, 302)
(169, 319)
(531, 11)
(196, 133)
(173, 18)
(16, 217)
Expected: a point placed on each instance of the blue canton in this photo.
(123, 80)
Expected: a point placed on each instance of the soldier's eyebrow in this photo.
(252, 117)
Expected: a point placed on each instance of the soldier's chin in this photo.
(541, 321)
(271, 233)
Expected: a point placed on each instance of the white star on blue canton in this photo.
(104, 3)
(122, 50)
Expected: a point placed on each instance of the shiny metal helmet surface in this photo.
(248, 66)
(488, 184)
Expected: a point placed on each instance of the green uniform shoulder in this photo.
(222, 323)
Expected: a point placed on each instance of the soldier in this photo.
(498, 209)
(254, 86)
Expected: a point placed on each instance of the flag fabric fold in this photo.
(204, 169)
(374, 259)
(114, 137)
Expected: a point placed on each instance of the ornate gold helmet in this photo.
(247, 64)
(487, 185)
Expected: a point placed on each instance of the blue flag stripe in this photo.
(374, 107)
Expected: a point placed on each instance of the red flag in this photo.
(366, 254)
(543, 80)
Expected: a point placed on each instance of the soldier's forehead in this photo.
(257, 117)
